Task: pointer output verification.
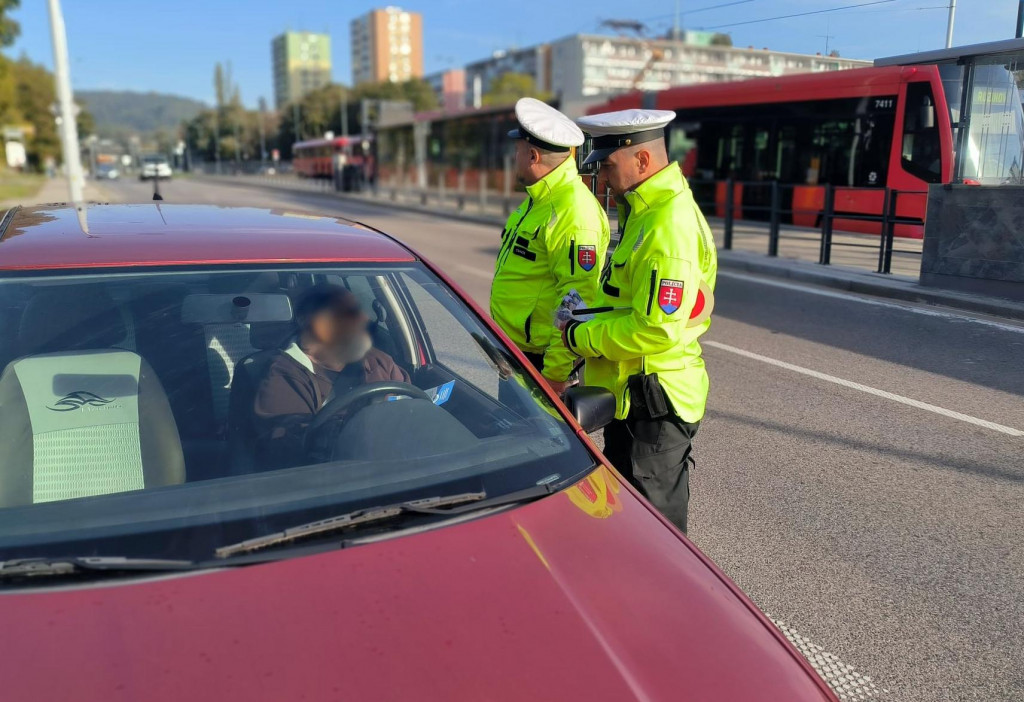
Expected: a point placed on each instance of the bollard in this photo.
(776, 215)
(825, 253)
(729, 188)
(888, 232)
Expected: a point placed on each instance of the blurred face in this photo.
(340, 329)
(625, 169)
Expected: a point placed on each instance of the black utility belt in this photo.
(646, 396)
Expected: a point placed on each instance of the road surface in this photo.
(860, 470)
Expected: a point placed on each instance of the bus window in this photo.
(922, 150)
(785, 155)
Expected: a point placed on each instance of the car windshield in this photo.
(167, 414)
(154, 160)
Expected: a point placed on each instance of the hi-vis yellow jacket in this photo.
(660, 279)
(554, 242)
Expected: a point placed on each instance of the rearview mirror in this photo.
(592, 407)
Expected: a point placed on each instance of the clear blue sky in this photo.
(171, 45)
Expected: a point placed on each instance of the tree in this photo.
(720, 39)
(34, 95)
(509, 87)
(9, 29)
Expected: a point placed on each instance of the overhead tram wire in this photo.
(701, 9)
(802, 14)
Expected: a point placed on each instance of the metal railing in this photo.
(774, 212)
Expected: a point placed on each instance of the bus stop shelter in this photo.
(983, 90)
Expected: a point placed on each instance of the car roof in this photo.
(108, 236)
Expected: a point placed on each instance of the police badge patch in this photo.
(670, 295)
(586, 256)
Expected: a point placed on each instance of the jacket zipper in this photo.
(512, 234)
(650, 294)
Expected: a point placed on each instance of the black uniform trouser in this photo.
(537, 359)
(655, 455)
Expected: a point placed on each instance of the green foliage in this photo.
(720, 39)
(509, 87)
(9, 29)
(34, 96)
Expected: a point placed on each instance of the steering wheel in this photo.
(338, 405)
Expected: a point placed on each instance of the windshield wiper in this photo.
(70, 565)
(344, 521)
(442, 505)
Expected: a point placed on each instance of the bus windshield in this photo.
(994, 148)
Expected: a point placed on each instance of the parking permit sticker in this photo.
(442, 393)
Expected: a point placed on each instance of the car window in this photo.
(163, 414)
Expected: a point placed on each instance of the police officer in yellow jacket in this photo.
(657, 294)
(553, 243)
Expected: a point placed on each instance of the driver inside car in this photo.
(330, 354)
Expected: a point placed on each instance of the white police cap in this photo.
(613, 130)
(545, 127)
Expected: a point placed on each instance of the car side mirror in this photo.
(592, 407)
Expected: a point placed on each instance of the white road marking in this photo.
(867, 389)
(854, 297)
(843, 678)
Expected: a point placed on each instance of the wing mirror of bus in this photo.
(592, 407)
(926, 115)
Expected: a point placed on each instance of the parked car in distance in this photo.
(107, 171)
(155, 166)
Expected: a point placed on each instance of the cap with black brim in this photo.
(520, 133)
(607, 144)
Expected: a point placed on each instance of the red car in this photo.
(454, 537)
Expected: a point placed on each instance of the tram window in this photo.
(874, 133)
(682, 145)
(922, 150)
(785, 155)
(761, 166)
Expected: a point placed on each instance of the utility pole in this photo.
(263, 136)
(675, 26)
(66, 118)
(295, 119)
(949, 25)
(344, 112)
(1020, 19)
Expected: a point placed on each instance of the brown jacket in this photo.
(293, 391)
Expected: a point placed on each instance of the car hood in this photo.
(583, 595)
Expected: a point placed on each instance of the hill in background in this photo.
(118, 112)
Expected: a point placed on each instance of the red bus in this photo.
(861, 130)
(316, 158)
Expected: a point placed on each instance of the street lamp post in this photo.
(949, 25)
(66, 106)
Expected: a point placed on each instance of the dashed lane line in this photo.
(868, 389)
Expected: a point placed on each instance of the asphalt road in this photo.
(860, 470)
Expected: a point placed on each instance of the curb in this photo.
(868, 284)
(859, 282)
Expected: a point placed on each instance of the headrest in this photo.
(70, 318)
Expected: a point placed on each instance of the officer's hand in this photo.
(559, 387)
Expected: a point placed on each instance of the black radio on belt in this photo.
(646, 396)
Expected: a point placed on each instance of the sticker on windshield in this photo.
(441, 393)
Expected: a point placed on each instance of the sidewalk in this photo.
(852, 270)
(56, 190)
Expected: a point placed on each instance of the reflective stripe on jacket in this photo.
(665, 253)
(555, 241)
